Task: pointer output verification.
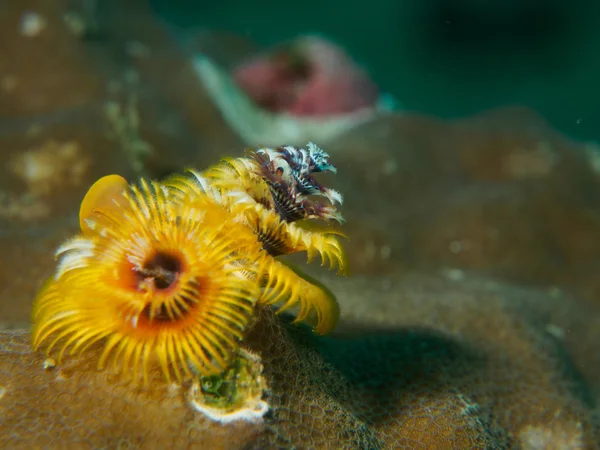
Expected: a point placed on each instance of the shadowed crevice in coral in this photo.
(383, 367)
(385, 362)
(376, 375)
(574, 382)
(501, 381)
(554, 343)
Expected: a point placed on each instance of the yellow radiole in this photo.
(169, 274)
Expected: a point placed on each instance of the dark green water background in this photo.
(444, 57)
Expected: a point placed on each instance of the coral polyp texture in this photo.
(483, 372)
(169, 274)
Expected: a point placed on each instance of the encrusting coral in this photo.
(481, 372)
(169, 274)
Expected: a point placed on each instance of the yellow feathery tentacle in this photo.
(156, 282)
(192, 183)
(232, 170)
(323, 242)
(233, 176)
(283, 238)
(287, 286)
(269, 229)
(246, 196)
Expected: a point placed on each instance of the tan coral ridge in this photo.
(410, 369)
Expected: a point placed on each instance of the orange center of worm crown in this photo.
(159, 279)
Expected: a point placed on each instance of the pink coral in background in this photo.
(304, 90)
(307, 77)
